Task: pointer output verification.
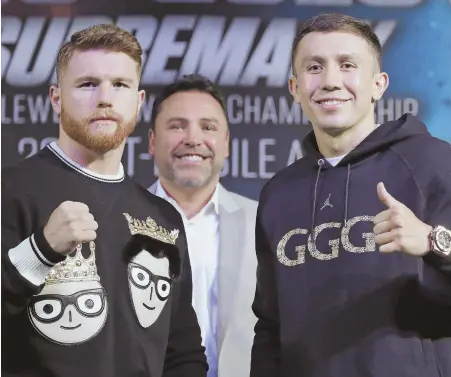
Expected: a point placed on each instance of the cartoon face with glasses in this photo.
(150, 277)
(72, 307)
(69, 313)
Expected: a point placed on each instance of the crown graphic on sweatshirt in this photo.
(75, 269)
(150, 228)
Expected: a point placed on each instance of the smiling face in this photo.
(150, 286)
(69, 313)
(337, 80)
(191, 139)
(98, 106)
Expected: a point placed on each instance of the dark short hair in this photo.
(158, 249)
(192, 82)
(327, 22)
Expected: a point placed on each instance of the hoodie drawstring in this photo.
(320, 164)
(348, 178)
(347, 194)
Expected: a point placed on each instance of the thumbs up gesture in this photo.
(398, 229)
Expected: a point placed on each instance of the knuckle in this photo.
(87, 218)
(92, 234)
(399, 222)
(397, 233)
(65, 206)
(396, 221)
(82, 207)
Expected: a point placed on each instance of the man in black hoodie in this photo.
(353, 240)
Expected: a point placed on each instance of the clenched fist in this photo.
(69, 224)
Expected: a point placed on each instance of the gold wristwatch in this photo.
(440, 241)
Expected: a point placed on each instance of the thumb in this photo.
(384, 196)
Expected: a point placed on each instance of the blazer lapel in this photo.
(153, 189)
(231, 238)
(232, 227)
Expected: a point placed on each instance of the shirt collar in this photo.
(57, 151)
(214, 200)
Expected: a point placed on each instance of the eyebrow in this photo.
(181, 119)
(90, 78)
(212, 120)
(176, 119)
(321, 59)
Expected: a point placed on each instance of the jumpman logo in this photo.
(327, 202)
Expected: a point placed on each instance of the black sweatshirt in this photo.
(123, 310)
(336, 306)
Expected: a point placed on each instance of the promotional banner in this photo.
(245, 47)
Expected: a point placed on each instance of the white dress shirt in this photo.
(202, 233)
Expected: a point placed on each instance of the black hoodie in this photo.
(337, 307)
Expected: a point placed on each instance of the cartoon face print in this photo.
(69, 313)
(150, 286)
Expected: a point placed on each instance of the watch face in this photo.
(443, 240)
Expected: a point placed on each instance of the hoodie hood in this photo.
(385, 136)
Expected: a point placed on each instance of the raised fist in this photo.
(69, 224)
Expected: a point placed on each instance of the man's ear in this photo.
(141, 98)
(293, 88)
(381, 81)
(55, 98)
(151, 134)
